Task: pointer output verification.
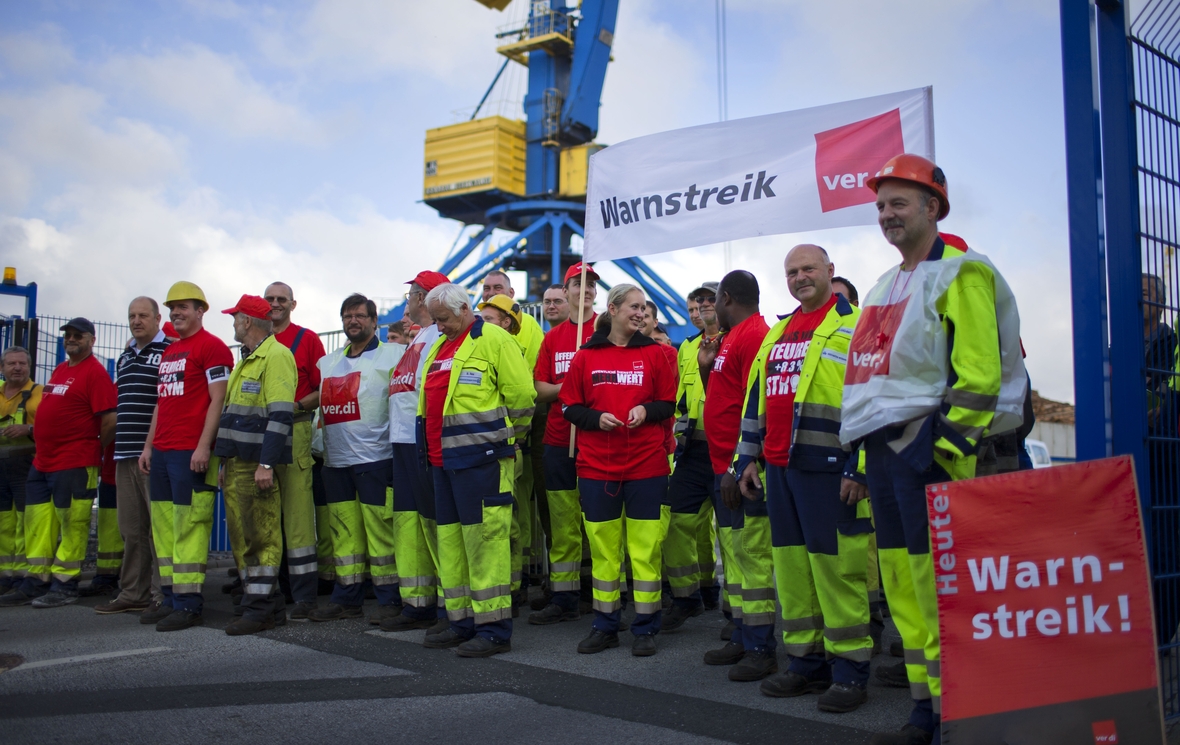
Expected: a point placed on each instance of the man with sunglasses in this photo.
(75, 421)
(18, 410)
(302, 531)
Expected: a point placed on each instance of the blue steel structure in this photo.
(561, 109)
(1122, 126)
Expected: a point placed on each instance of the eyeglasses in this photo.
(74, 335)
(277, 299)
(355, 317)
(553, 302)
(706, 299)
(406, 297)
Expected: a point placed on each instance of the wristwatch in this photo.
(269, 468)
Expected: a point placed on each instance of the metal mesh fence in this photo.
(1155, 40)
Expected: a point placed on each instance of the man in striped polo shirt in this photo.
(137, 374)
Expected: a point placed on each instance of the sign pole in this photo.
(578, 338)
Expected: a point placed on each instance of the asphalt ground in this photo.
(109, 679)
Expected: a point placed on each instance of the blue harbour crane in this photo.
(529, 177)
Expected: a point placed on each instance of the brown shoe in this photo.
(118, 606)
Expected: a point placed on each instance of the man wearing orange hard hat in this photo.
(947, 307)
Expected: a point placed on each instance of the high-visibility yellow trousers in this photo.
(690, 491)
(57, 501)
(360, 505)
(820, 556)
(14, 472)
(415, 534)
(565, 525)
(110, 541)
(522, 519)
(326, 564)
(750, 537)
(294, 481)
(474, 512)
(628, 515)
(731, 589)
(182, 520)
(255, 522)
(898, 490)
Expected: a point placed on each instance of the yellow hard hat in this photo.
(185, 291)
(507, 305)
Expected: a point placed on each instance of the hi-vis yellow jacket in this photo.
(489, 402)
(815, 431)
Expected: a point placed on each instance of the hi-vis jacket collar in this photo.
(599, 339)
(843, 307)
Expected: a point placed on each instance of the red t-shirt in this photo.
(187, 367)
(615, 380)
(68, 419)
(725, 394)
(784, 364)
(306, 356)
(553, 361)
(438, 379)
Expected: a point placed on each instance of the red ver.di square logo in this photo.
(845, 157)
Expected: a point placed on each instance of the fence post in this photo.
(1087, 262)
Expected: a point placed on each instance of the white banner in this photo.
(780, 173)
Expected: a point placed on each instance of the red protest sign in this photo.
(1044, 607)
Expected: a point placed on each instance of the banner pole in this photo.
(578, 338)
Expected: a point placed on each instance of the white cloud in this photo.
(121, 243)
(36, 54)
(212, 89)
(61, 127)
(359, 39)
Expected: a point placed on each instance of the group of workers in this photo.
(406, 472)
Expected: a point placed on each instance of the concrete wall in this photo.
(1058, 437)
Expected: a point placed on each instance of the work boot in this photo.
(155, 613)
(842, 698)
(118, 606)
(644, 645)
(727, 631)
(229, 587)
(244, 626)
(402, 622)
(178, 620)
(480, 646)
(753, 666)
(790, 684)
(384, 612)
(598, 641)
(54, 600)
(540, 603)
(908, 735)
(897, 649)
(300, 611)
(553, 613)
(445, 639)
(237, 592)
(440, 625)
(675, 617)
(334, 612)
(894, 676)
(730, 654)
(16, 597)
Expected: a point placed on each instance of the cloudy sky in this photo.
(236, 143)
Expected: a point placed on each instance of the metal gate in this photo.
(1122, 110)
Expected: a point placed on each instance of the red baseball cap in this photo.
(170, 330)
(576, 270)
(251, 305)
(429, 280)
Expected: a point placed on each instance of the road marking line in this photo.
(89, 657)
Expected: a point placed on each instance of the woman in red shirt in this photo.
(619, 391)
